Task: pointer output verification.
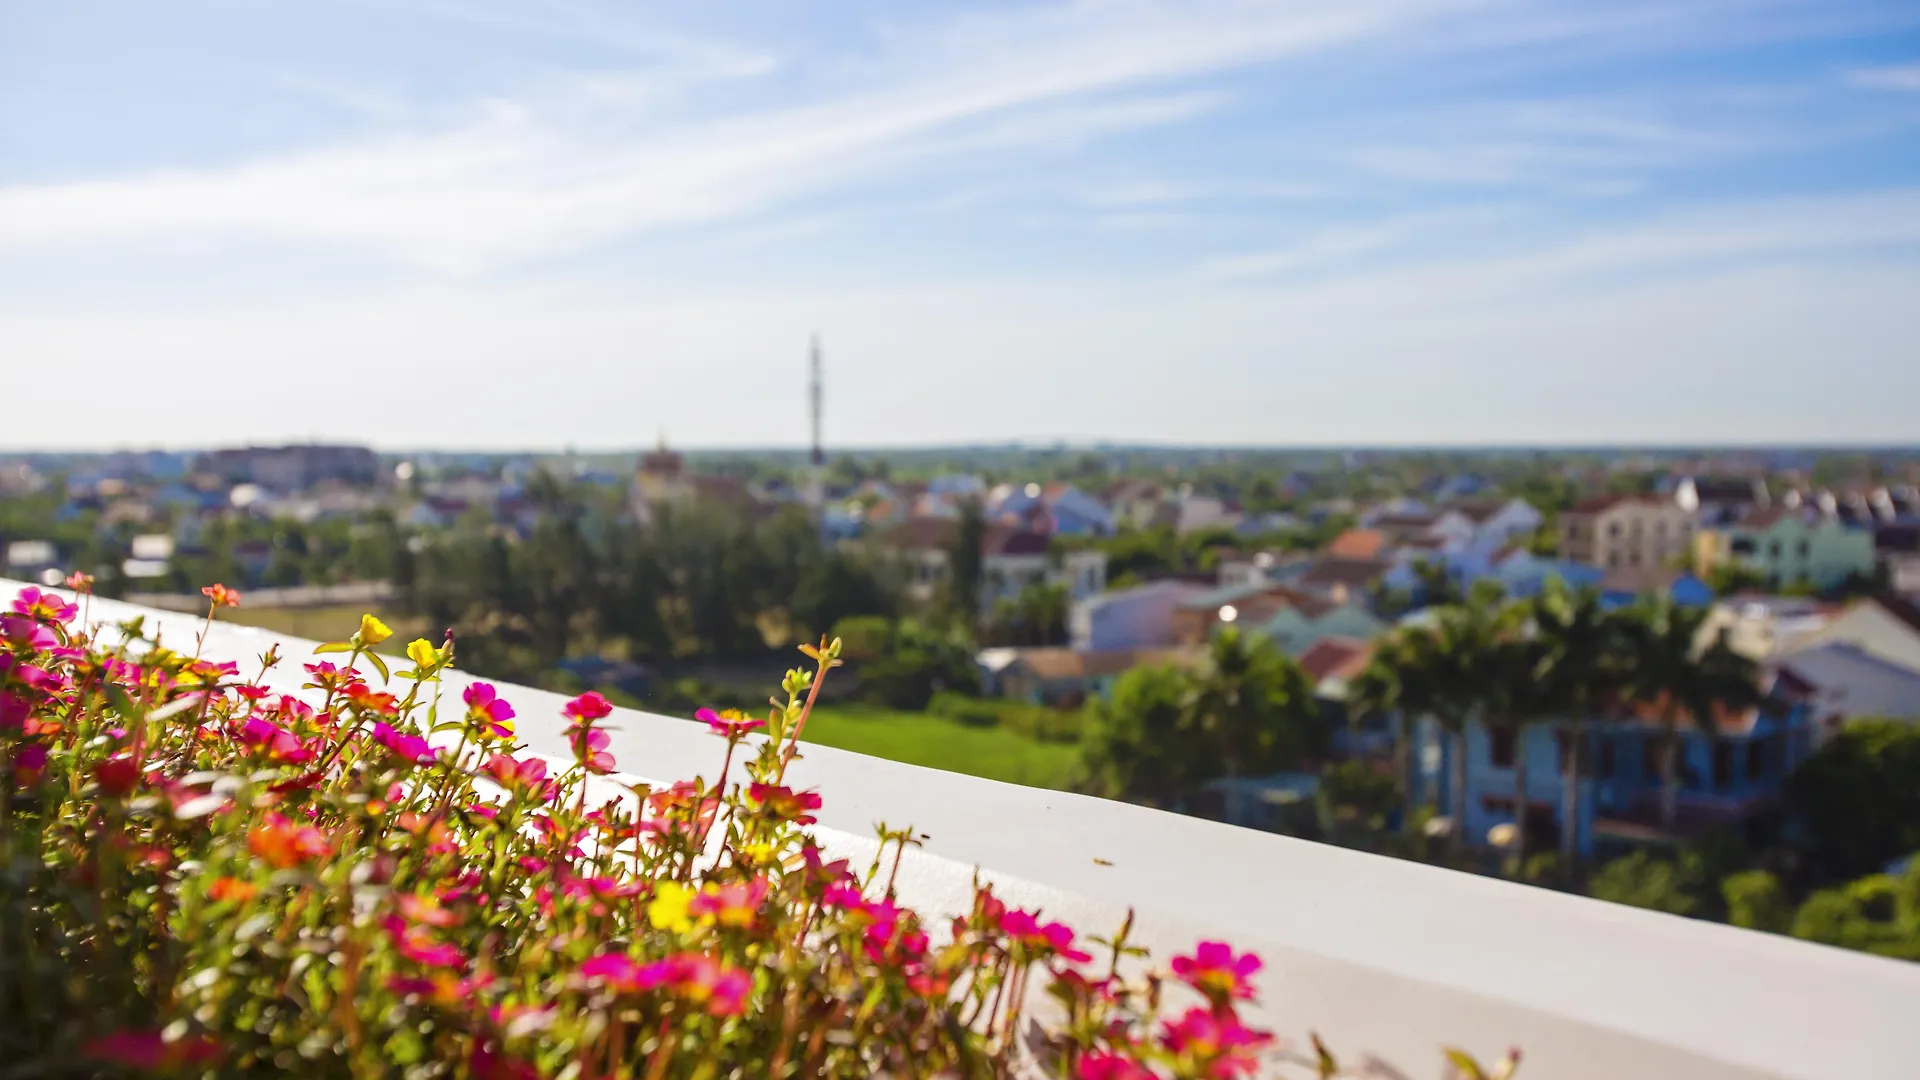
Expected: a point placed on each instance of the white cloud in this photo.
(1891, 77)
(536, 177)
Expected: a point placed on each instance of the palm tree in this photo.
(1675, 672)
(1576, 664)
(1252, 708)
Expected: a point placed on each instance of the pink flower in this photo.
(1042, 939)
(1215, 971)
(221, 596)
(1103, 1065)
(425, 909)
(79, 581)
(529, 776)
(274, 741)
(439, 988)
(731, 723)
(411, 748)
(117, 775)
(1216, 1041)
(732, 905)
(416, 943)
(25, 634)
(14, 711)
(784, 803)
(44, 606)
(488, 710)
(590, 750)
(587, 708)
(29, 763)
(149, 1051)
(692, 977)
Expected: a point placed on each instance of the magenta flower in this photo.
(23, 633)
(1042, 939)
(28, 763)
(402, 745)
(486, 709)
(731, 723)
(590, 750)
(149, 1051)
(14, 711)
(1218, 1040)
(44, 606)
(1102, 1065)
(276, 742)
(1215, 971)
(719, 988)
(587, 708)
(784, 802)
(416, 943)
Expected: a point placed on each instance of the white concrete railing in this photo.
(1385, 959)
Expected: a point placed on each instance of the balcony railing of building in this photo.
(1387, 960)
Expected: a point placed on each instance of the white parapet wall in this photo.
(1387, 960)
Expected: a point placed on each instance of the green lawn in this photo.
(938, 743)
(334, 623)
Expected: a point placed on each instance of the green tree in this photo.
(920, 661)
(1135, 744)
(1757, 900)
(1252, 710)
(966, 559)
(1878, 914)
(1579, 662)
(1646, 881)
(1859, 798)
(1672, 673)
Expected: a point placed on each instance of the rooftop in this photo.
(1381, 957)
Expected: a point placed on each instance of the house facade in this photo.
(1011, 559)
(1725, 777)
(1625, 532)
(1136, 618)
(1789, 548)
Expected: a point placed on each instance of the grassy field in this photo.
(326, 623)
(937, 743)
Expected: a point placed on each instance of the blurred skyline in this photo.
(472, 224)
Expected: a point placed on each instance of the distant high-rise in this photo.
(816, 481)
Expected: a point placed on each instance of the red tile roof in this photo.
(1335, 657)
(1357, 544)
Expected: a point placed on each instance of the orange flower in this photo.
(221, 595)
(233, 889)
(285, 844)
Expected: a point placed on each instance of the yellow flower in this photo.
(668, 910)
(423, 654)
(373, 631)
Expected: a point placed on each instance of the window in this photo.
(1801, 549)
(1607, 762)
(1773, 550)
(1650, 757)
(1613, 558)
(1722, 763)
(1613, 529)
(1757, 754)
(1633, 558)
(1500, 747)
(1741, 546)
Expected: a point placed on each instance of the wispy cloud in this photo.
(1889, 77)
(535, 177)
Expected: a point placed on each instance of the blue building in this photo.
(1723, 779)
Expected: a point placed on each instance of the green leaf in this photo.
(334, 646)
(1464, 1064)
(379, 665)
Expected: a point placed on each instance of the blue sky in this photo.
(542, 223)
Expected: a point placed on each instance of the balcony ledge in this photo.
(1388, 960)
